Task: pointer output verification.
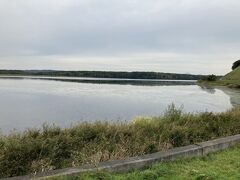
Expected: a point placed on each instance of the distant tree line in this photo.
(104, 74)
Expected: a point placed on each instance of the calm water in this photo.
(28, 103)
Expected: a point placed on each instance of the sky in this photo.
(182, 36)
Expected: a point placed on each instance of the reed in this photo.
(52, 147)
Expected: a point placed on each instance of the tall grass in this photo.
(51, 147)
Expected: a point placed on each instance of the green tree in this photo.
(236, 64)
(210, 78)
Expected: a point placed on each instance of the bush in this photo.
(210, 78)
(52, 147)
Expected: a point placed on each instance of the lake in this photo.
(31, 102)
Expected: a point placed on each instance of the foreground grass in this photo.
(37, 150)
(222, 165)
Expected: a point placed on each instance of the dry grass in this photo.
(52, 147)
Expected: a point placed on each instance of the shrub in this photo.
(210, 78)
(52, 147)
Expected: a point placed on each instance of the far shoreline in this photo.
(103, 74)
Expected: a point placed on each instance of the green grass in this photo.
(234, 75)
(223, 165)
(231, 80)
(51, 147)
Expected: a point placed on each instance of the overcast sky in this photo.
(184, 36)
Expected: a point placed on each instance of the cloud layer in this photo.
(161, 35)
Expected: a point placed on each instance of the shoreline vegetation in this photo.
(220, 83)
(231, 80)
(102, 74)
(52, 147)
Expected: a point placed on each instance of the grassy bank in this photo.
(218, 83)
(231, 80)
(52, 147)
(222, 165)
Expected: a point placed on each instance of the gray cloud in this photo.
(128, 34)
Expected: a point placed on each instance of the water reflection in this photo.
(135, 82)
(210, 90)
(234, 94)
(26, 103)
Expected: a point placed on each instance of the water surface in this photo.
(26, 103)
